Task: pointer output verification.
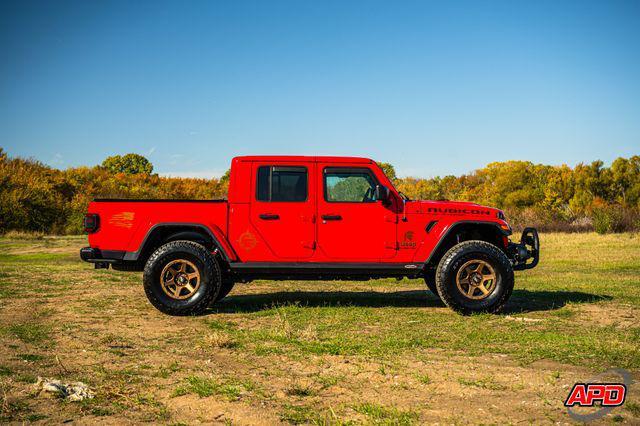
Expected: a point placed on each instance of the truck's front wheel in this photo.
(430, 281)
(474, 276)
(182, 278)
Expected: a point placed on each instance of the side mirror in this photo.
(382, 193)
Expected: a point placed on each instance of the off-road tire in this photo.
(225, 288)
(455, 258)
(430, 281)
(207, 265)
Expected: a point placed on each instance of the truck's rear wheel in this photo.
(182, 278)
(225, 288)
(474, 276)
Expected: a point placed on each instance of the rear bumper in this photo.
(526, 253)
(100, 258)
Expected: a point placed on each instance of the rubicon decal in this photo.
(598, 393)
(440, 210)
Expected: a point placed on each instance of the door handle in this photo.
(269, 216)
(331, 217)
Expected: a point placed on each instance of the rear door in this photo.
(352, 225)
(283, 209)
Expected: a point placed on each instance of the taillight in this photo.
(91, 222)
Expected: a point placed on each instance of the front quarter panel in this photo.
(426, 223)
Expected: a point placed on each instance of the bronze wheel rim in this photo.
(180, 279)
(476, 279)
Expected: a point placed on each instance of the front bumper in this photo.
(101, 259)
(526, 253)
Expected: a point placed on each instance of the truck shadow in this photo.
(521, 301)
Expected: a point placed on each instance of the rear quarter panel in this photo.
(125, 224)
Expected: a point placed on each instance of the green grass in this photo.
(313, 352)
(303, 414)
(383, 415)
(482, 383)
(299, 390)
(35, 257)
(209, 386)
(328, 380)
(404, 330)
(30, 332)
(604, 274)
(166, 371)
(30, 357)
(633, 408)
(424, 379)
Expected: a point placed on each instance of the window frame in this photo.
(272, 168)
(329, 169)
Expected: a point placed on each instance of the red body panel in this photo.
(125, 224)
(365, 232)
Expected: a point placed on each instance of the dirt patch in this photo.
(608, 315)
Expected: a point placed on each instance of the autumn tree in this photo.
(36, 197)
(389, 171)
(625, 178)
(130, 164)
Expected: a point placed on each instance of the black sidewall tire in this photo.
(430, 281)
(210, 281)
(458, 256)
(225, 289)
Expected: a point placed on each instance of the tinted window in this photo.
(277, 183)
(349, 185)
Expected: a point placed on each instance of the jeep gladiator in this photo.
(295, 217)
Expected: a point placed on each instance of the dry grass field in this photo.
(376, 352)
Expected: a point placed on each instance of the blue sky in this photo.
(433, 87)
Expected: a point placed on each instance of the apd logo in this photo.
(605, 396)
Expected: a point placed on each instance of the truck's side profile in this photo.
(312, 218)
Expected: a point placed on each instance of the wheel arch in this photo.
(162, 233)
(463, 231)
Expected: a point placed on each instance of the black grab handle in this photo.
(331, 217)
(269, 216)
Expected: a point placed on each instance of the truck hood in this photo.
(458, 208)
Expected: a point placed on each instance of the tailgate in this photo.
(118, 220)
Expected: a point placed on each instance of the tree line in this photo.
(37, 198)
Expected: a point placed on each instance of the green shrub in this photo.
(608, 219)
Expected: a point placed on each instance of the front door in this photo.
(352, 224)
(283, 212)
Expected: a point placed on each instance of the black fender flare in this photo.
(456, 225)
(197, 230)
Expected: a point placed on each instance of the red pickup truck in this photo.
(295, 217)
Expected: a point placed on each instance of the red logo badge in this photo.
(604, 394)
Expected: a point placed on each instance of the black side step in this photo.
(256, 270)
